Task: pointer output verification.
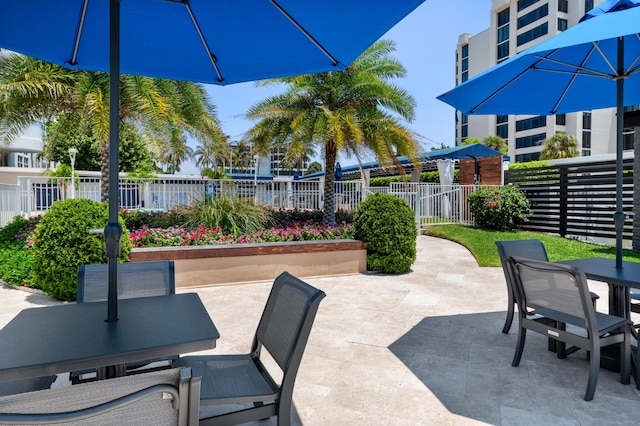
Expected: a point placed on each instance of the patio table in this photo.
(619, 282)
(58, 339)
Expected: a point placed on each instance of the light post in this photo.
(72, 157)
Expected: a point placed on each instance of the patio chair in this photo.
(135, 279)
(530, 249)
(26, 385)
(283, 331)
(168, 397)
(561, 293)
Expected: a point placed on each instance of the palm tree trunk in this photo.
(329, 208)
(104, 172)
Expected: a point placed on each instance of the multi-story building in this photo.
(26, 149)
(517, 25)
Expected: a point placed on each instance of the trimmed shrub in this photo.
(63, 240)
(283, 218)
(136, 219)
(387, 226)
(503, 208)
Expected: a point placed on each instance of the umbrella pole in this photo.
(619, 215)
(113, 230)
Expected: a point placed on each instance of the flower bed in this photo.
(176, 237)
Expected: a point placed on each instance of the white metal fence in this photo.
(9, 203)
(432, 203)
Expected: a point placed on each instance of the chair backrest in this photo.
(530, 249)
(559, 288)
(135, 279)
(286, 321)
(161, 398)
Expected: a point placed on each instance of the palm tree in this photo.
(163, 111)
(351, 108)
(559, 145)
(208, 151)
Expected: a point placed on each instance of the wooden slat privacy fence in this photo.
(575, 200)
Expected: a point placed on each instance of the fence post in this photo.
(418, 206)
(564, 195)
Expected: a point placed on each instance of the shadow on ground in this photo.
(465, 361)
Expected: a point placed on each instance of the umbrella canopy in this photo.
(206, 41)
(591, 65)
(203, 41)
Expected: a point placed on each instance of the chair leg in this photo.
(510, 310)
(522, 335)
(625, 357)
(284, 410)
(594, 369)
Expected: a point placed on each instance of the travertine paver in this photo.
(420, 348)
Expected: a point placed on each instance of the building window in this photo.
(22, 160)
(586, 121)
(523, 4)
(531, 123)
(628, 135)
(588, 5)
(586, 139)
(563, 6)
(464, 76)
(562, 24)
(533, 16)
(533, 34)
(502, 126)
(464, 128)
(503, 35)
(561, 119)
(529, 141)
(503, 17)
(524, 158)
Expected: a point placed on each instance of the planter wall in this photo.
(230, 264)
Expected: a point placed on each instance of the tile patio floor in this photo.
(422, 348)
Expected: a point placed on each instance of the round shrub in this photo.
(63, 240)
(387, 226)
(502, 208)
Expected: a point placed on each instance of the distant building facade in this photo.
(517, 25)
(26, 149)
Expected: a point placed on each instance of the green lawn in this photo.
(481, 243)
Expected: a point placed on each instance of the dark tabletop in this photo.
(601, 269)
(57, 339)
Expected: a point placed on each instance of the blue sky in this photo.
(425, 45)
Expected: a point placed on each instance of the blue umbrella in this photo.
(204, 41)
(594, 64)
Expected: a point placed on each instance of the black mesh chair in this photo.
(283, 331)
(135, 279)
(168, 397)
(561, 294)
(530, 249)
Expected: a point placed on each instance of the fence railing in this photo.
(9, 203)
(432, 203)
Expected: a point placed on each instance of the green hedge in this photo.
(387, 226)
(63, 240)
